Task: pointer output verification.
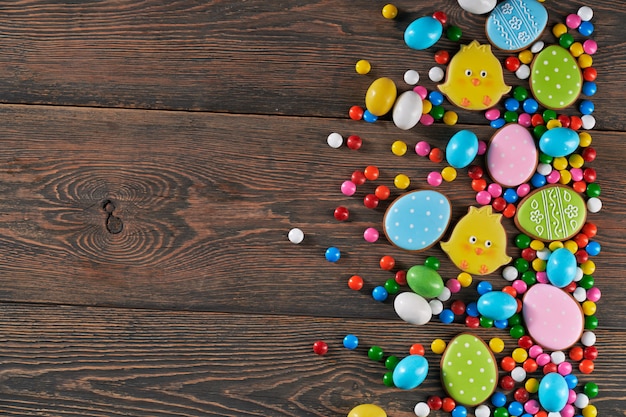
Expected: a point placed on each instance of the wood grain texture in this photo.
(68, 361)
(289, 58)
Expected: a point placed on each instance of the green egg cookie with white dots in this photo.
(555, 78)
(469, 372)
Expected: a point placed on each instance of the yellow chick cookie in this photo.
(478, 242)
(474, 78)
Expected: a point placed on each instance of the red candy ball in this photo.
(475, 172)
(580, 186)
(371, 173)
(342, 213)
(530, 365)
(590, 74)
(581, 256)
(370, 201)
(589, 154)
(358, 177)
(581, 240)
(550, 368)
(521, 395)
(417, 349)
(479, 184)
(512, 63)
(472, 322)
(536, 119)
(382, 192)
(354, 142)
(458, 307)
(442, 57)
(320, 347)
(387, 263)
(356, 112)
(590, 353)
(529, 254)
(509, 211)
(589, 175)
(564, 119)
(434, 403)
(575, 123)
(525, 342)
(436, 155)
(576, 353)
(586, 366)
(401, 277)
(507, 364)
(499, 204)
(448, 405)
(441, 16)
(355, 282)
(590, 230)
(507, 383)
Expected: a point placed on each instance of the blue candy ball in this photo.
(369, 117)
(484, 287)
(498, 399)
(538, 180)
(498, 123)
(333, 254)
(380, 293)
(593, 248)
(350, 342)
(471, 309)
(586, 28)
(436, 98)
(510, 195)
(446, 316)
(511, 104)
(589, 88)
(459, 411)
(530, 105)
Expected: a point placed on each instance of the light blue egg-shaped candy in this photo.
(410, 372)
(423, 33)
(561, 267)
(496, 305)
(462, 148)
(553, 392)
(559, 141)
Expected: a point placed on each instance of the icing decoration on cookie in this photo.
(469, 372)
(554, 212)
(555, 78)
(515, 24)
(478, 242)
(417, 220)
(512, 155)
(474, 78)
(554, 319)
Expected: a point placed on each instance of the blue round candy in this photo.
(572, 381)
(484, 287)
(369, 117)
(586, 107)
(498, 399)
(410, 372)
(462, 148)
(538, 180)
(498, 123)
(446, 316)
(333, 254)
(500, 324)
(553, 392)
(436, 98)
(471, 309)
(350, 342)
(515, 408)
(530, 105)
(423, 33)
(380, 293)
(459, 411)
(586, 28)
(561, 267)
(510, 195)
(589, 88)
(593, 248)
(511, 104)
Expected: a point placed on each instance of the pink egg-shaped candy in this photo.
(348, 188)
(541, 277)
(519, 286)
(571, 398)
(524, 119)
(434, 178)
(553, 177)
(534, 351)
(543, 359)
(577, 174)
(564, 368)
(422, 148)
(568, 411)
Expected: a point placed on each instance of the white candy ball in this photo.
(589, 121)
(436, 306)
(482, 411)
(557, 357)
(579, 274)
(582, 400)
(334, 140)
(594, 205)
(523, 72)
(445, 294)
(510, 273)
(588, 338)
(585, 13)
(296, 235)
(537, 47)
(580, 294)
(518, 374)
(544, 169)
(554, 414)
(411, 77)
(544, 254)
(435, 74)
(421, 409)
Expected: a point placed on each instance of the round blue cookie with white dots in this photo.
(417, 220)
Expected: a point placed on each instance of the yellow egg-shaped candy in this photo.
(588, 267)
(555, 245)
(427, 106)
(585, 61)
(537, 245)
(380, 96)
(571, 246)
(525, 57)
(519, 355)
(576, 49)
(450, 118)
(553, 123)
(559, 29)
(367, 410)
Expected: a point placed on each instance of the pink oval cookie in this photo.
(554, 319)
(512, 155)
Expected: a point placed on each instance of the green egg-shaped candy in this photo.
(424, 281)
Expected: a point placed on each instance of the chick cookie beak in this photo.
(478, 251)
(475, 82)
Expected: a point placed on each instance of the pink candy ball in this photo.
(427, 120)
(483, 197)
(434, 178)
(523, 190)
(590, 46)
(532, 406)
(577, 174)
(553, 177)
(594, 294)
(482, 147)
(348, 188)
(572, 21)
(542, 277)
(495, 190)
(422, 148)
(421, 91)
(568, 411)
(371, 235)
(543, 359)
(492, 114)
(534, 351)
(524, 119)
(571, 397)
(564, 368)
(453, 285)
(519, 286)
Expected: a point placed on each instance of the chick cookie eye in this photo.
(468, 72)
(472, 239)
(487, 243)
(483, 73)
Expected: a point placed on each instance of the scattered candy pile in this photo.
(536, 172)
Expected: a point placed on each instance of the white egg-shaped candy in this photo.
(477, 6)
(407, 110)
(412, 308)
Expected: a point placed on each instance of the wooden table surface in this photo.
(156, 154)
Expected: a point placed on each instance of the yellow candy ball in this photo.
(559, 163)
(438, 346)
(576, 49)
(589, 308)
(532, 385)
(398, 148)
(555, 245)
(367, 410)
(496, 345)
(448, 174)
(519, 355)
(585, 139)
(427, 106)
(362, 67)
(571, 246)
(590, 411)
(585, 61)
(559, 29)
(575, 160)
(588, 267)
(464, 279)
(553, 123)
(402, 182)
(390, 11)
(539, 265)
(537, 245)
(450, 118)
(526, 57)
(566, 177)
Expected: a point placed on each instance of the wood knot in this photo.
(113, 223)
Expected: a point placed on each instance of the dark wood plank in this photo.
(66, 361)
(294, 58)
(203, 211)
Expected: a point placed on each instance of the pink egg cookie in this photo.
(512, 155)
(554, 319)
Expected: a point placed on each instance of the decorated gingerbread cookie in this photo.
(512, 155)
(554, 319)
(478, 242)
(515, 24)
(474, 78)
(555, 78)
(554, 212)
(417, 220)
(468, 370)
